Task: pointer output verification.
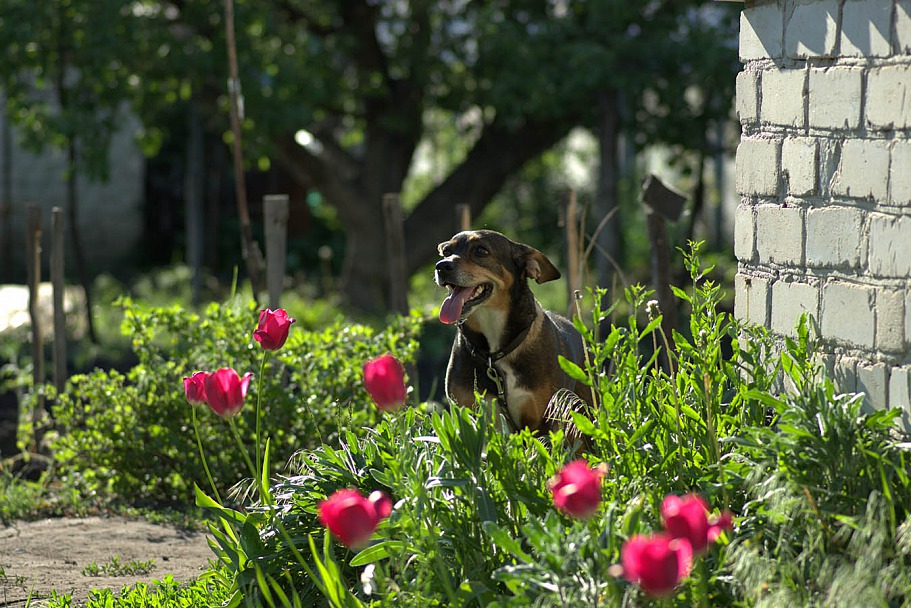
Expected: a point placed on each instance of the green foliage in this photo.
(131, 434)
(819, 487)
(827, 519)
(114, 567)
(164, 593)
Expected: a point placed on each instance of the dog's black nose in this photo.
(445, 266)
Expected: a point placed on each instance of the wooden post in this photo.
(195, 197)
(569, 217)
(6, 199)
(395, 253)
(463, 217)
(662, 204)
(57, 256)
(33, 257)
(275, 211)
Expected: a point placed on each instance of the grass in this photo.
(114, 567)
(165, 593)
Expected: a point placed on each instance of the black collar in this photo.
(490, 357)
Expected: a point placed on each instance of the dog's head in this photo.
(480, 268)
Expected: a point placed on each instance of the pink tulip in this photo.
(273, 327)
(225, 391)
(194, 388)
(351, 517)
(656, 563)
(576, 488)
(384, 378)
(720, 523)
(688, 517)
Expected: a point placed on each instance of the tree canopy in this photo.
(361, 76)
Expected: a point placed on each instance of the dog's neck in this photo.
(499, 328)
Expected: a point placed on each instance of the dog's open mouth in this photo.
(461, 299)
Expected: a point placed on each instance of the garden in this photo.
(733, 474)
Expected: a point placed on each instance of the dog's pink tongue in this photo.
(451, 309)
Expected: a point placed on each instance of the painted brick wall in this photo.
(824, 172)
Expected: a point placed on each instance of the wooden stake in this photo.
(59, 285)
(33, 257)
(569, 215)
(275, 211)
(463, 217)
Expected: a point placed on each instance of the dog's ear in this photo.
(535, 264)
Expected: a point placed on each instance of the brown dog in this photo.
(506, 344)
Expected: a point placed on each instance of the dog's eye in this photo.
(481, 251)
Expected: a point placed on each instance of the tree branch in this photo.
(498, 153)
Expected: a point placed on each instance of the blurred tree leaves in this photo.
(368, 79)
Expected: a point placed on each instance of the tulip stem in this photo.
(258, 414)
(246, 455)
(202, 455)
(703, 583)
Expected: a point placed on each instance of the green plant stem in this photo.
(246, 455)
(202, 455)
(258, 414)
(703, 584)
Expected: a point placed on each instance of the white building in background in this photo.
(110, 213)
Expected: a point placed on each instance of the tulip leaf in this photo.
(265, 485)
(206, 502)
(504, 541)
(486, 509)
(375, 553)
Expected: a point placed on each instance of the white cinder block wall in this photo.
(824, 172)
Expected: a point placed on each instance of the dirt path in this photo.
(51, 554)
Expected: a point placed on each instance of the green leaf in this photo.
(573, 371)
(504, 541)
(652, 325)
(377, 552)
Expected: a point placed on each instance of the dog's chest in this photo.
(517, 394)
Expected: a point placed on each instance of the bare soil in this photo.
(50, 555)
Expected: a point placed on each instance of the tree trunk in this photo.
(72, 208)
(605, 206)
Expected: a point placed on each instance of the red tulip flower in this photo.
(720, 523)
(384, 378)
(656, 563)
(273, 327)
(351, 517)
(688, 517)
(225, 391)
(577, 488)
(194, 388)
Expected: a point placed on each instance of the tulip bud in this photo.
(688, 517)
(656, 563)
(273, 327)
(351, 517)
(384, 378)
(576, 488)
(194, 388)
(225, 391)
